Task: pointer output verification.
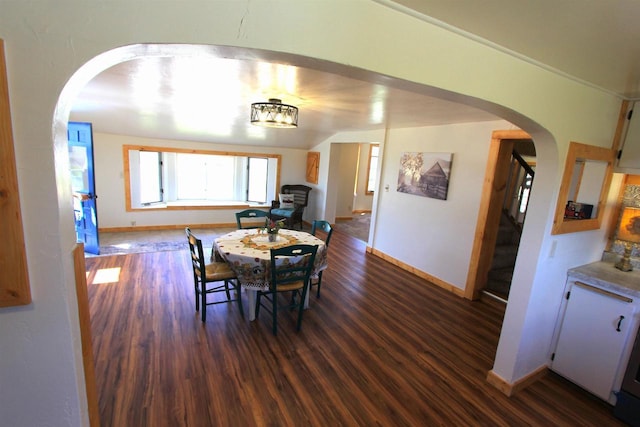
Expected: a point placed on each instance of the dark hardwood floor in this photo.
(379, 348)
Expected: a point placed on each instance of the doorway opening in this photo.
(512, 215)
(352, 189)
(357, 226)
(496, 198)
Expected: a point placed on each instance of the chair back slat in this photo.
(322, 225)
(250, 214)
(214, 272)
(197, 253)
(292, 264)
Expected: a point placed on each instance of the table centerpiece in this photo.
(272, 227)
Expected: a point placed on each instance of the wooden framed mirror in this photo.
(584, 187)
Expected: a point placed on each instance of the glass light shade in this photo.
(274, 114)
(629, 229)
(628, 232)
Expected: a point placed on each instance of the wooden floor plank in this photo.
(380, 347)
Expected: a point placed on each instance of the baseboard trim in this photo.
(509, 389)
(91, 389)
(349, 218)
(488, 296)
(428, 277)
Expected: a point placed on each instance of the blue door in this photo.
(83, 185)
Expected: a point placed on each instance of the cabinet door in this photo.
(592, 338)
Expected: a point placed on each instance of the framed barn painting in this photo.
(425, 174)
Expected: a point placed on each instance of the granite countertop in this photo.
(606, 276)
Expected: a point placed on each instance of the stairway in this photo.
(514, 210)
(504, 258)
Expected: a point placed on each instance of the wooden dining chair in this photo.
(251, 214)
(324, 226)
(203, 273)
(291, 268)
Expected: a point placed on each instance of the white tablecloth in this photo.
(248, 253)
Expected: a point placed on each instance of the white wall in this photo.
(591, 184)
(348, 159)
(49, 60)
(109, 172)
(434, 236)
(329, 173)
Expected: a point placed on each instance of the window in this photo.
(150, 177)
(165, 178)
(204, 177)
(256, 185)
(372, 170)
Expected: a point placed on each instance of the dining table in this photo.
(248, 253)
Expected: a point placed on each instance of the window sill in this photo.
(198, 205)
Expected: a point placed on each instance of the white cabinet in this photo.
(592, 342)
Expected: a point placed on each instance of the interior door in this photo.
(83, 185)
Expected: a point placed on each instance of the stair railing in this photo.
(519, 182)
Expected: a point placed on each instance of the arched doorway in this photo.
(110, 58)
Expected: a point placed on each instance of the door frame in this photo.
(493, 190)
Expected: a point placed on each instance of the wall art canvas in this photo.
(425, 174)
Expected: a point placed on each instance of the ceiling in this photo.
(597, 42)
(175, 97)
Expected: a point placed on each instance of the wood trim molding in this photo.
(127, 176)
(622, 119)
(509, 389)
(488, 221)
(14, 275)
(82, 296)
(154, 148)
(590, 152)
(426, 276)
(172, 227)
(164, 227)
(170, 207)
(632, 180)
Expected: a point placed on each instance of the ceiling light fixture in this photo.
(274, 114)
